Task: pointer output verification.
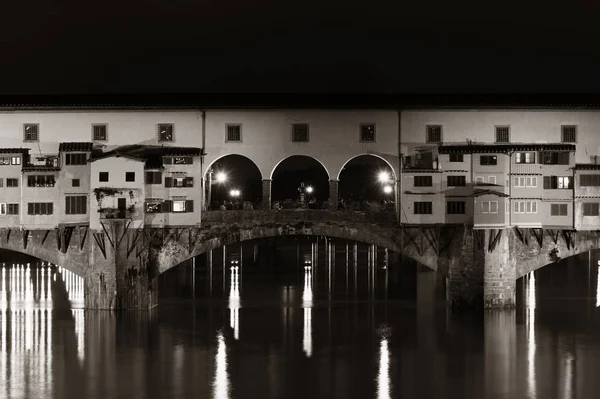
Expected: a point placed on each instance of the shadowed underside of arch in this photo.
(44, 245)
(215, 235)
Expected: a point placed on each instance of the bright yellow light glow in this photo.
(235, 193)
(234, 302)
(530, 322)
(309, 189)
(388, 189)
(221, 177)
(383, 177)
(307, 298)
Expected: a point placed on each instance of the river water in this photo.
(282, 325)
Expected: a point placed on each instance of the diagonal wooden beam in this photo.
(124, 232)
(83, 236)
(147, 240)
(131, 245)
(99, 238)
(538, 234)
(25, 238)
(495, 236)
(45, 236)
(107, 235)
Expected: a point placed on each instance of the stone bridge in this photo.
(120, 264)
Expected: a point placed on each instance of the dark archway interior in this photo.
(293, 171)
(242, 174)
(359, 179)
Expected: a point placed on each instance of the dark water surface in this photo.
(277, 329)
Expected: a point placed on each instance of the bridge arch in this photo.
(174, 252)
(242, 174)
(370, 154)
(299, 155)
(291, 171)
(54, 257)
(220, 158)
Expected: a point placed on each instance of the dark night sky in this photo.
(174, 46)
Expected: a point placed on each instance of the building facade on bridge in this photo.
(489, 169)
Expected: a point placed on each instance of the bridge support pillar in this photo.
(266, 194)
(333, 194)
(117, 280)
(481, 270)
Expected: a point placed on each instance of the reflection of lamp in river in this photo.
(234, 302)
(530, 321)
(307, 298)
(598, 286)
(383, 378)
(221, 382)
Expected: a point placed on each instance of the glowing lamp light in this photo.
(387, 189)
(221, 177)
(309, 189)
(235, 193)
(384, 177)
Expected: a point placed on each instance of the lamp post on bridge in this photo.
(221, 177)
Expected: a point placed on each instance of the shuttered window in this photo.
(40, 208)
(76, 204)
(300, 132)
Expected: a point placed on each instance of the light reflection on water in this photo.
(295, 342)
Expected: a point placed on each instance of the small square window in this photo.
(300, 132)
(31, 132)
(367, 132)
(129, 176)
(434, 133)
(569, 134)
(75, 183)
(502, 134)
(234, 132)
(103, 176)
(99, 132)
(165, 132)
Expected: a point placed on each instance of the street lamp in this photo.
(387, 189)
(235, 193)
(221, 177)
(383, 177)
(309, 189)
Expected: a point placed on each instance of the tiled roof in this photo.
(116, 155)
(14, 150)
(305, 101)
(86, 147)
(587, 166)
(478, 193)
(503, 148)
(189, 151)
(40, 168)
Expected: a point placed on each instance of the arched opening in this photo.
(367, 181)
(234, 182)
(300, 181)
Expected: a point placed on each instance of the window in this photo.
(99, 132)
(2, 209)
(178, 160)
(558, 210)
(183, 181)
(488, 160)
(367, 132)
(15, 160)
(153, 177)
(300, 132)
(456, 158)
(519, 182)
(455, 207)
(423, 181)
(41, 181)
(525, 207)
(423, 208)
(434, 133)
(165, 132)
(1, 182)
(129, 176)
(591, 209)
(531, 182)
(479, 180)
(233, 132)
(12, 209)
(178, 206)
(502, 134)
(76, 159)
(568, 133)
(457, 181)
(103, 176)
(489, 206)
(525, 157)
(589, 180)
(555, 158)
(40, 208)
(557, 182)
(12, 182)
(31, 132)
(492, 180)
(75, 205)
(75, 183)
(153, 207)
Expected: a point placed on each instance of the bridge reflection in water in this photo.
(289, 325)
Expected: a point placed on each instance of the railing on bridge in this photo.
(307, 215)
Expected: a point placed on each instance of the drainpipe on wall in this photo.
(203, 131)
(399, 202)
(573, 206)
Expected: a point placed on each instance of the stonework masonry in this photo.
(120, 264)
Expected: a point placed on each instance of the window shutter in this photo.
(168, 182)
(161, 207)
(547, 182)
(189, 206)
(50, 208)
(167, 160)
(189, 182)
(167, 206)
(30, 208)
